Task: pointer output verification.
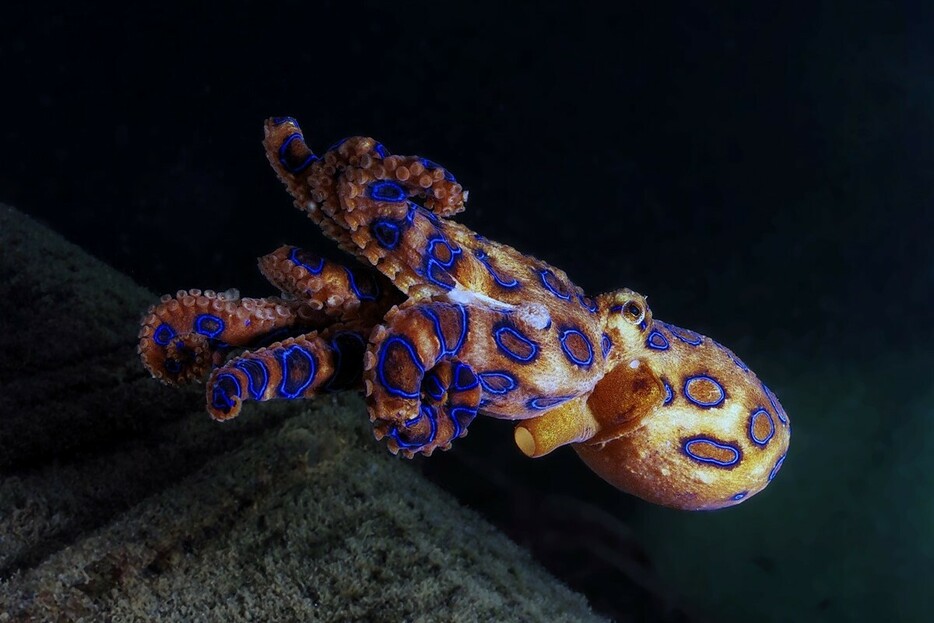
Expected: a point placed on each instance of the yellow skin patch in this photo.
(439, 325)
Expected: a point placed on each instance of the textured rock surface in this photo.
(120, 499)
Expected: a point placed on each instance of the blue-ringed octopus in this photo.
(437, 324)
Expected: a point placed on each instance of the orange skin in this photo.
(450, 325)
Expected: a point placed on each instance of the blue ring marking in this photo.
(567, 350)
(435, 268)
(386, 232)
(758, 413)
(163, 334)
(464, 378)
(453, 252)
(463, 335)
(172, 366)
(541, 403)
(380, 150)
(432, 315)
(587, 303)
(362, 296)
(773, 400)
(711, 461)
(428, 412)
(739, 496)
(605, 345)
(544, 275)
(686, 390)
(341, 379)
(257, 376)
(295, 259)
(497, 382)
(778, 466)
(437, 275)
(281, 120)
(382, 190)
(642, 325)
(616, 309)
(657, 341)
(290, 357)
(381, 363)
(669, 393)
(203, 325)
(220, 397)
(428, 164)
(685, 335)
(338, 143)
(471, 414)
(283, 157)
(431, 384)
(519, 357)
(481, 255)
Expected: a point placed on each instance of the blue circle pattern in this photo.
(758, 414)
(209, 325)
(685, 335)
(695, 441)
(481, 255)
(163, 334)
(257, 376)
(386, 191)
(567, 333)
(284, 156)
(295, 257)
(657, 341)
(381, 366)
(461, 417)
(497, 382)
(432, 386)
(432, 315)
(587, 303)
(506, 330)
(387, 232)
(372, 292)
(464, 378)
(700, 403)
(426, 411)
(225, 386)
(436, 268)
(547, 277)
(298, 370)
(605, 345)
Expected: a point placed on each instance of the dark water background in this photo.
(763, 171)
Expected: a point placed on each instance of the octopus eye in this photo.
(634, 312)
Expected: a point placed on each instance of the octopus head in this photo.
(682, 421)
